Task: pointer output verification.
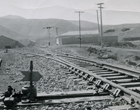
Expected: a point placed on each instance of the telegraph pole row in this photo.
(79, 26)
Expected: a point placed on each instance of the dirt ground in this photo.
(14, 62)
(129, 58)
(54, 78)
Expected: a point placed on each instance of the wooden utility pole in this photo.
(99, 33)
(57, 31)
(48, 33)
(100, 7)
(79, 26)
(31, 73)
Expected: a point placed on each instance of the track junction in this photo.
(111, 82)
(109, 79)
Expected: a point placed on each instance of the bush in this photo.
(129, 62)
(121, 44)
(125, 29)
(113, 57)
(110, 30)
(92, 50)
(108, 56)
(136, 58)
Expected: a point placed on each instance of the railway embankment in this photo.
(129, 58)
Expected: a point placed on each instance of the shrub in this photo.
(136, 58)
(92, 50)
(125, 29)
(109, 30)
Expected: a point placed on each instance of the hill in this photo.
(26, 42)
(123, 30)
(17, 27)
(86, 25)
(13, 17)
(9, 33)
(33, 28)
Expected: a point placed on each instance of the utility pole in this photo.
(99, 38)
(79, 26)
(31, 73)
(48, 33)
(57, 39)
(56, 31)
(100, 7)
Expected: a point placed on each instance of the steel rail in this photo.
(131, 94)
(106, 65)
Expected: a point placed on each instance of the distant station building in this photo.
(6, 42)
(87, 37)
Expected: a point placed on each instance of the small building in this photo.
(6, 42)
(87, 37)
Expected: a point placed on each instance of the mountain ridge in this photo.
(13, 17)
(32, 29)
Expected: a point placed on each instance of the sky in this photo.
(26, 8)
(121, 5)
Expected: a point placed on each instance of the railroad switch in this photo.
(136, 79)
(94, 64)
(89, 83)
(114, 81)
(77, 72)
(61, 65)
(117, 93)
(99, 66)
(98, 83)
(64, 66)
(106, 87)
(81, 74)
(136, 90)
(85, 76)
(73, 70)
(132, 102)
(91, 79)
(70, 69)
(129, 76)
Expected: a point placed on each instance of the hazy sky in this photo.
(21, 7)
(123, 5)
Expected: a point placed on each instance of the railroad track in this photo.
(120, 82)
(117, 81)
